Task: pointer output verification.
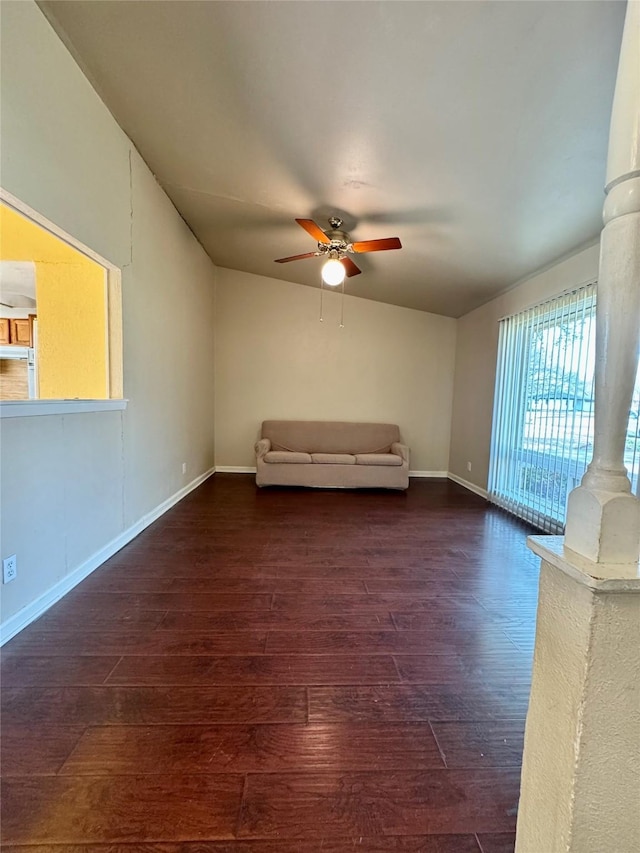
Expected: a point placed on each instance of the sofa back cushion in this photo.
(330, 436)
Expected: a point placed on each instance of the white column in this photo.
(581, 767)
(603, 517)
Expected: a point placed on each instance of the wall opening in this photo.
(60, 313)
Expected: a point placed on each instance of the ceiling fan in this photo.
(336, 244)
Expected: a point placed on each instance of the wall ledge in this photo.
(598, 577)
(14, 624)
(40, 408)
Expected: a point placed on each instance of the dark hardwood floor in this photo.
(280, 671)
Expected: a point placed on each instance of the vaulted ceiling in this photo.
(474, 131)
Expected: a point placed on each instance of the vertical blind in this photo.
(542, 436)
(542, 439)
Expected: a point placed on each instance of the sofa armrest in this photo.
(400, 450)
(262, 447)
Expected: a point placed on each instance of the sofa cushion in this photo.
(377, 459)
(330, 436)
(288, 457)
(334, 458)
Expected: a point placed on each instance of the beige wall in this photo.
(275, 359)
(477, 347)
(72, 483)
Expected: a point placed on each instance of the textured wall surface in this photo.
(581, 770)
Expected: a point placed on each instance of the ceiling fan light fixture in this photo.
(335, 245)
(333, 272)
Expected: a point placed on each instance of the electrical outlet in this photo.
(468, 466)
(9, 568)
(184, 467)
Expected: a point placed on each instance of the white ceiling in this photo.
(474, 131)
(17, 288)
(18, 278)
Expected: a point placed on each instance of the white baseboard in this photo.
(467, 485)
(28, 614)
(240, 469)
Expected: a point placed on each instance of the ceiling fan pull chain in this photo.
(321, 292)
(342, 307)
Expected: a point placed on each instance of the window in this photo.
(543, 424)
(60, 315)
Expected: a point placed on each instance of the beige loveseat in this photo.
(331, 454)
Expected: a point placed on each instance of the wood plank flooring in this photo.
(280, 671)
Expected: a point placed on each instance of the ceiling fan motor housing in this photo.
(340, 240)
(336, 243)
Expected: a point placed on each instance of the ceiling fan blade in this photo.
(311, 228)
(377, 245)
(349, 267)
(296, 257)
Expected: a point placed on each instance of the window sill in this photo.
(39, 408)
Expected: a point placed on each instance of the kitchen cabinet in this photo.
(21, 333)
(17, 331)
